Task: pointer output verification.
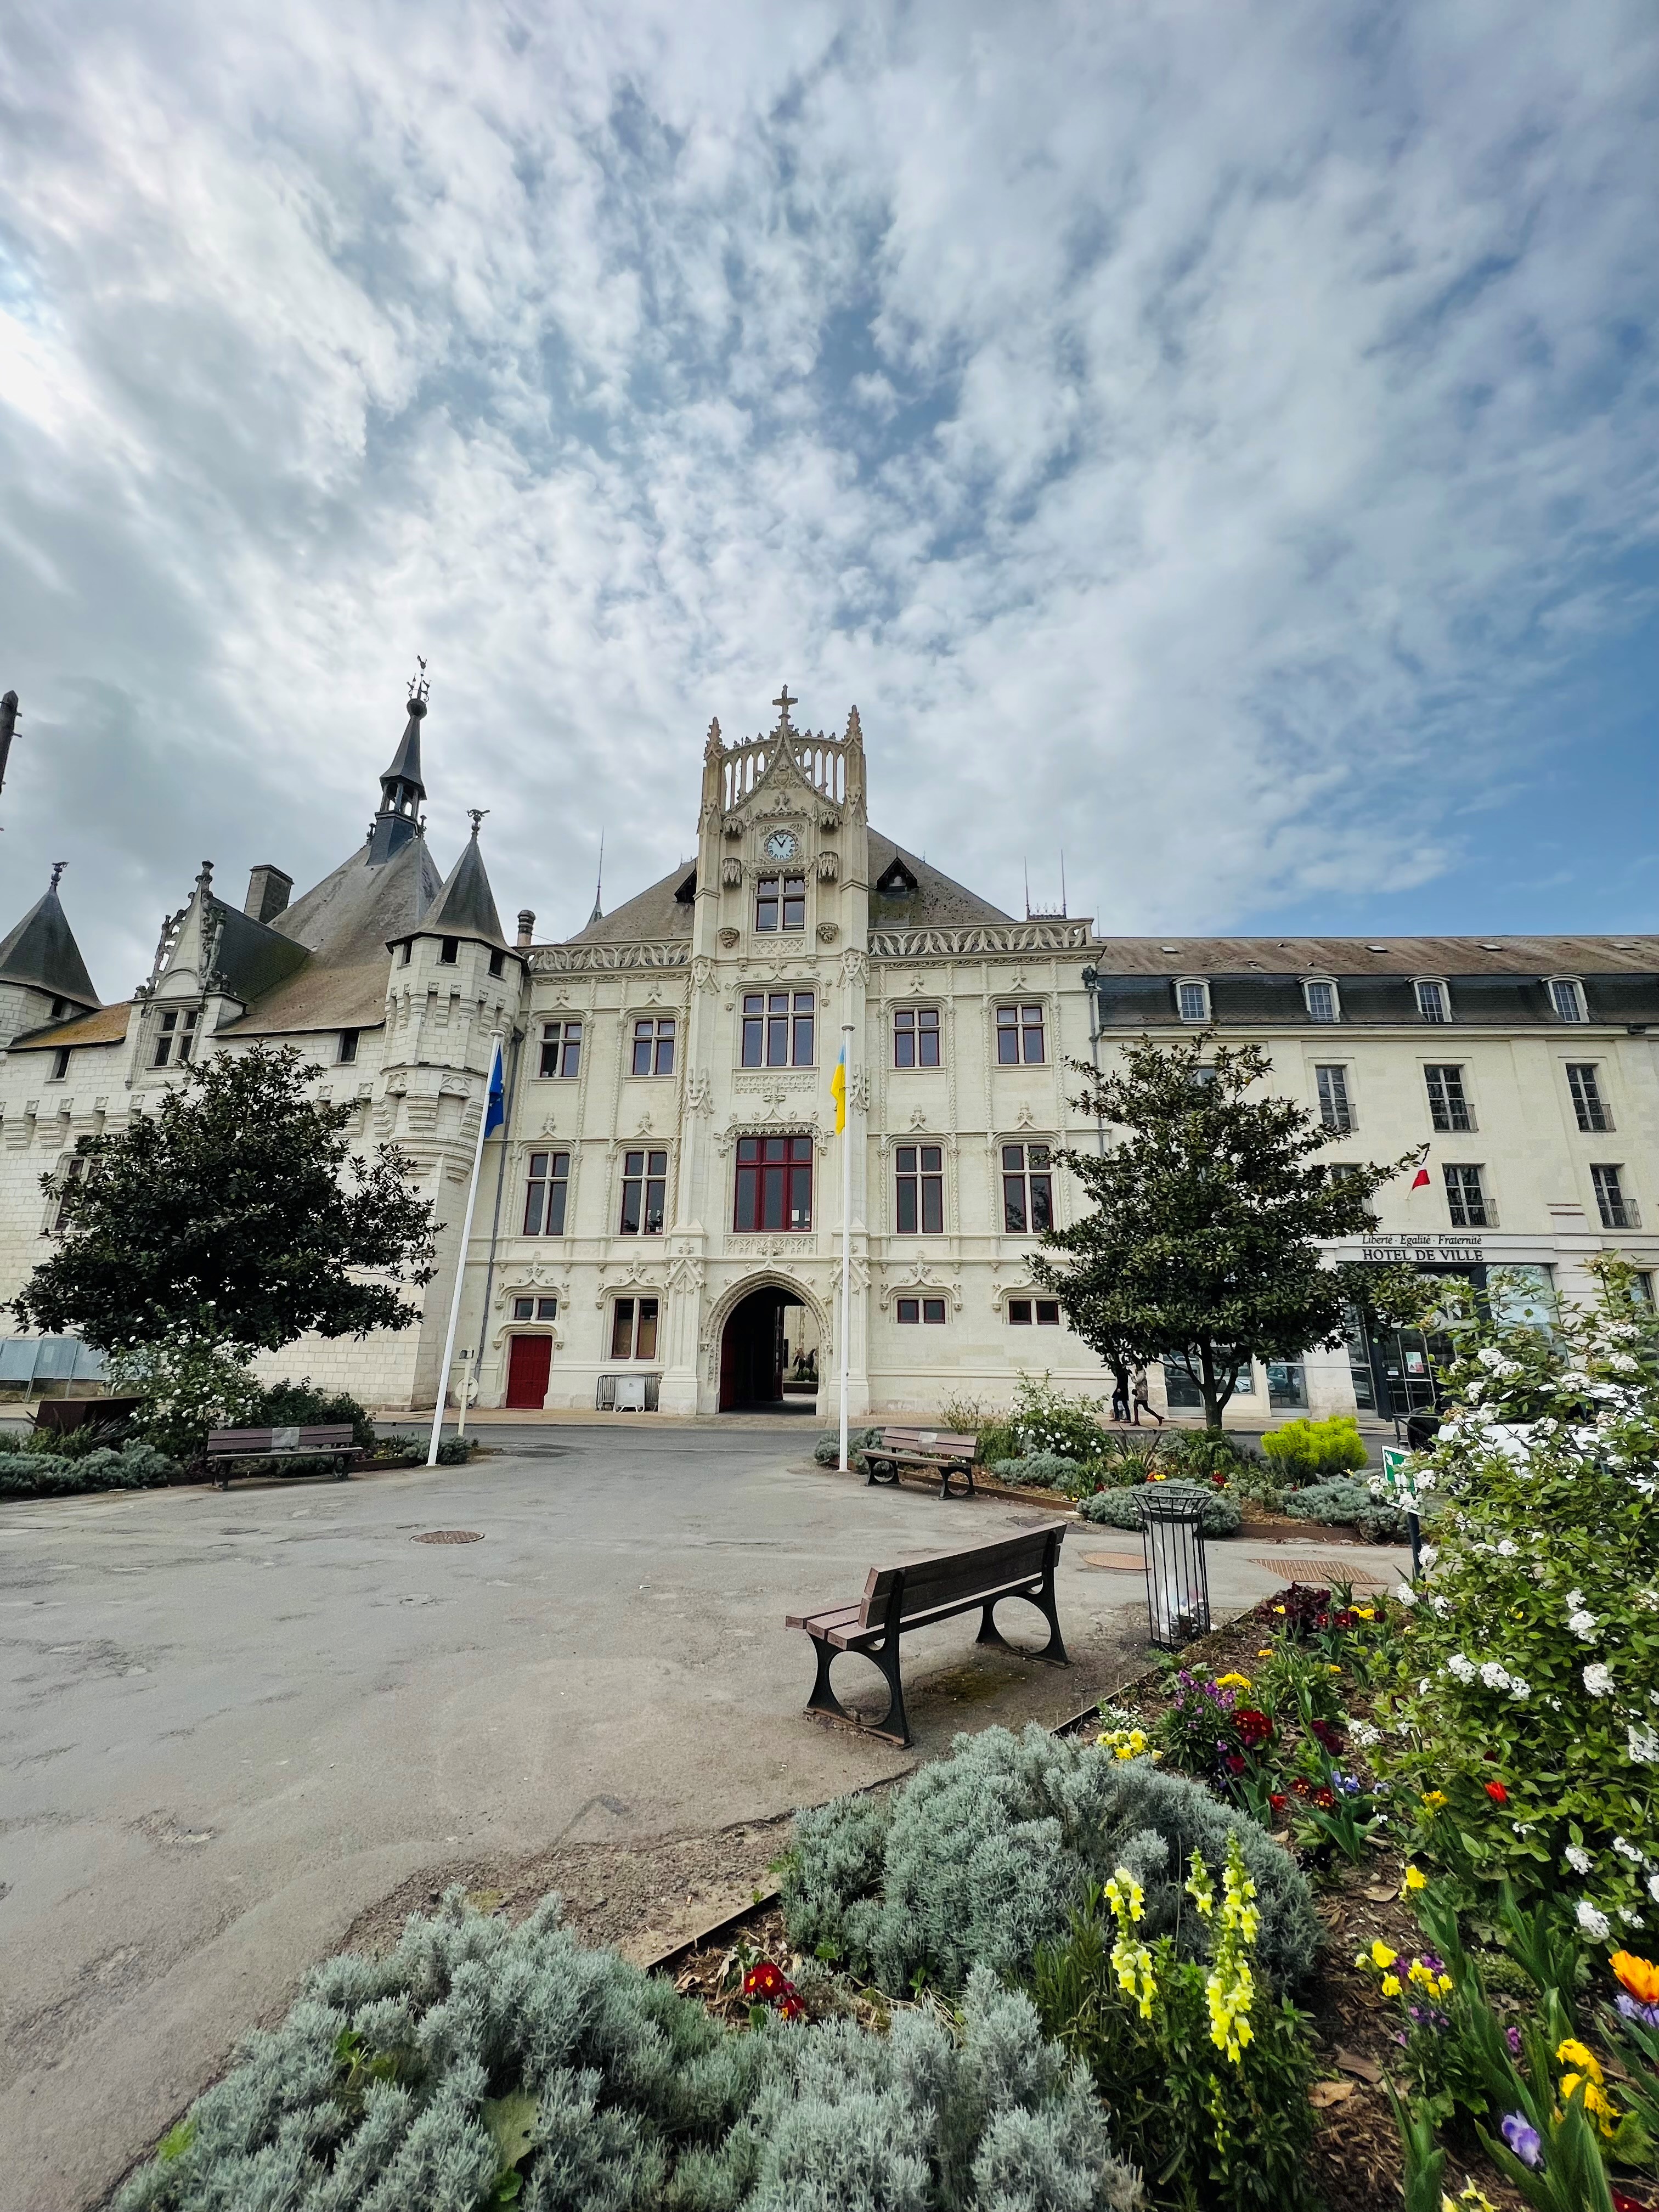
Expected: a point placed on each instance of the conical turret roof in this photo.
(406, 761)
(42, 953)
(465, 907)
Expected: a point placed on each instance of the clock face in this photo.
(782, 845)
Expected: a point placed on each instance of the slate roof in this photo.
(465, 905)
(659, 912)
(108, 1025)
(1494, 982)
(42, 953)
(345, 923)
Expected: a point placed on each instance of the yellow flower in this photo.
(1445, 1986)
(1595, 2100)
(1421, 1974)
(1469, 2198)
(1268, 1653)
(1333, 1670)
(1364, 1612)
(1415, 1879)
(1278, 1608)
(1434, 1799)
(1232, 1681)
(1573, 2053)
(1380, 1954)
(1390, 1985)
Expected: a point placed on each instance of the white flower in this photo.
(1579, 1858)
(1626, 1850)
(1575, 1598)
(1490, 1356)
(1520, 1689)
(1365, 1734)
(1598, 1680)
(1644, 1744)
(1424, 1687)
(1442, 1606)
(1583, 1626)
(1596, 1925)
(1429, 1554)
(1653, 1886)
(1507, 1549)
(1403, 1593)
(1494, 1676)
(1462, 1668)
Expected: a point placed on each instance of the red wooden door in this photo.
(529, 1361)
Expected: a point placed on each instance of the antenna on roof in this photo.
(598, 914)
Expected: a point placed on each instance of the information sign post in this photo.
(1402, 1487)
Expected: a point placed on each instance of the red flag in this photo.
(1420, 1180)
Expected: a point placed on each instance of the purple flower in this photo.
(1348, 1784)
(1634, 2009)
(1522, 2138)
(1512, 2036)
(1434, 1962)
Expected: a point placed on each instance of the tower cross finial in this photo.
(783, 702)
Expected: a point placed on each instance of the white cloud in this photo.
(1176, 428)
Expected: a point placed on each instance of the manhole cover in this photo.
(1317, 1572)
(450, 1536)
(1125, 1563)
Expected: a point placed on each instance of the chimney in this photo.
(526, 925)
(267, 892)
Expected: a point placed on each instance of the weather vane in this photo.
(417, 684)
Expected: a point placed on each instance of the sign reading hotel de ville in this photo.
(1447, 1247)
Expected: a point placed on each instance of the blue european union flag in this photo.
(495, 1112)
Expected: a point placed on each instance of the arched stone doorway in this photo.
(770, 1344)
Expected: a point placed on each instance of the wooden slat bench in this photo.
(226, 1449)
(939, 1450)
(937, 1588)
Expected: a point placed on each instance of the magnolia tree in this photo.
(1529, 1723)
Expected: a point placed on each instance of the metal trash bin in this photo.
(1177, 1577)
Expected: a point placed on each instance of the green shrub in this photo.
(997, 1440)
(1202, 1453)
(73, 1443)
(41, 1474)
(1045, 1420)
(1257, 1482)
(1345, 1502)
(1037, 1471)
(1127, 1460)
(453, 1451)
(827, 1450)
(982, 1856)
(188, 1386)
(1302, 1451)
(1220, 1514)
(299, 1405)
(481, 2063)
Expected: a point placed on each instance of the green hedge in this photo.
(1220, 1514)
(46, 1474)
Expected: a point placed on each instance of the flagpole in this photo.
(460, 1262)
(846, 1233)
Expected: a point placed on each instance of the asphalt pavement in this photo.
(233, 1722)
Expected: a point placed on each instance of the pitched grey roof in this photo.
(1624, 952)
(659, 911)
(253, 957)
(465, 906)
(345, 923)
(42, 953)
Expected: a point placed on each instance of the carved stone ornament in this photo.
(732, 871)
(733, 825)
(828, 821)
(728, 938)
(700, 1092)
(858, 1089)
(854, 966)
(828, 931)
(796, 1245)
(829, 867)
(702, 973)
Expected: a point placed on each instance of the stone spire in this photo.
(465, 907)
(402, 791)
(42, 954)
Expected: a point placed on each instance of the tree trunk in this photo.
(1213, 1401)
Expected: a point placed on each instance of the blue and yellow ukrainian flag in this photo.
(838, 1089)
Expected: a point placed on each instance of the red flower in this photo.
(1622, 2203)
(1496, 1792)
(764, 1980)
(1254, 1727)
(1278, 1800)
(1328, 1737)
(791, 2007)
(1324, 1798)
(1234, 1763)
(1301, 1786)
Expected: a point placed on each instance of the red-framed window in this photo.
(1024, 1313)
(919, 1190)
(774, 1183)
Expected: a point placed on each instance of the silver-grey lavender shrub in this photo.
(981, 1856)
(384, 2091)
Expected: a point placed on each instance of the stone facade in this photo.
(662, 1210)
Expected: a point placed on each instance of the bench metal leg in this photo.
(871, 1476)
(893, 1725)
(949, 1474)
(1053, 1651)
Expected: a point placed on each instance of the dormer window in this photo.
(1319, 994)
(897, 880)
(175, 1035)
(1432, 1002)
(449, 951)
(1192, 998)
(1567, 997)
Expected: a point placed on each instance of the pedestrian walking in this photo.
(1120, 1396)
(1142, 1402)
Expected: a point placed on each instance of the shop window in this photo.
(774, 1183)
(634, 1329)
(915, 1036)
(545, 1192)
(1019, 1035)
(919, 1190)
(1183, 1392)
(653, 1045)
(1027, 1190)
(1028, 1313)
(778, 1029)
(1287, 1386)
(644, 1193)
(922, 1310)
(561, 1048)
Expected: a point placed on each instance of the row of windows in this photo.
(1449, 1108)
(635, 1321)
(1323, 1002)
(779, 1031)
(774, 1189)
(1469, 1201)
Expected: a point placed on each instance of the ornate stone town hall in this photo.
(658, 1222)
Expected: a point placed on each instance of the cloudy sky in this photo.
(1217, 440)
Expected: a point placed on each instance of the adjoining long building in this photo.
(658, 1220)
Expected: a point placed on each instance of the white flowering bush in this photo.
(1046, 1421)
(189, 1380)
(1528, 1714)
